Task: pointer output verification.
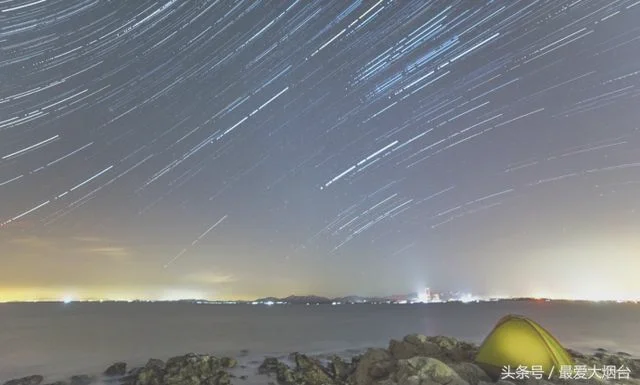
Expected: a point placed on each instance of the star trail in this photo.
(363, 147)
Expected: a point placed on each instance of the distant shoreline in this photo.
(328, 302)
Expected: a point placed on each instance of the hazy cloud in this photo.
(88, 239)
(110, 251)
(210, 278)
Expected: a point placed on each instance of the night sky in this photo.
(219, 149)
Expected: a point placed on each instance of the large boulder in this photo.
(151, 374)
(155, 363)
(340, 370)
(307, 371)
(117, 369)
(471, 373)
(426, 371)
(272, 366)
(453, 350)
(310, 371)
(269, 365)
(228, 362)
(30, 380)
(413, 345)
(444, 342)
(373, 367)
(195, 369)
(446, 349)
(220, 378)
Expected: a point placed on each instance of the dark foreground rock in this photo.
(439, 360)
(415, 360)
(30, 380)
(82, 380)
(117, 369)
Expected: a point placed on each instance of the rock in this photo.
(30, 380)
(151, 374)
(415, 339)
(401, 350)
(228, 362)
(220, 378)
(443, 348)
(117, 369)
(415, 360)
(413, 345)
(194, 369)
(470, 350)
(285, 376)
(81, 380)
(453, 350)
(426, 371)
(134, 371)
(374, 365)
(154, 363)
(446, 343)
(340, 370)
(310, 371)
(272, 366)
(471, 373)
(269, 365)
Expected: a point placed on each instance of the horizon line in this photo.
(258, 300)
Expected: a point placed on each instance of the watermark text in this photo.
(567, 372)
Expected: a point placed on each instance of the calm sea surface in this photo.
(58, 340)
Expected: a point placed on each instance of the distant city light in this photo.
(466, 298)
(67, 300)
(424, 295)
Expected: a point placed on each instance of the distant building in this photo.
(424, 296)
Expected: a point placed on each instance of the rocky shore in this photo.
(416, 360)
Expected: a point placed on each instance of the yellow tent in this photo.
(518, 341)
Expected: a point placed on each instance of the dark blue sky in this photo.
(238, 149)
